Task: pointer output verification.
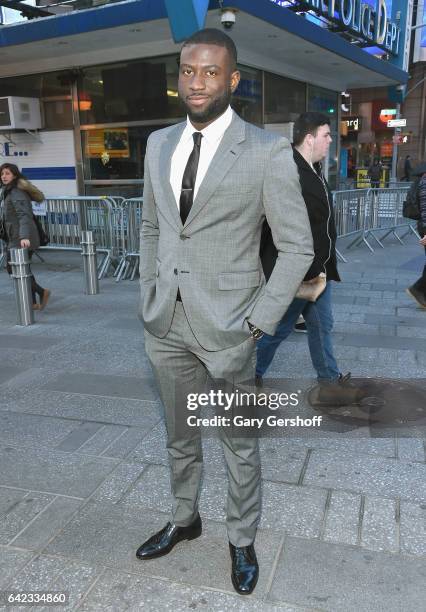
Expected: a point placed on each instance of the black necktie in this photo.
(188, 181)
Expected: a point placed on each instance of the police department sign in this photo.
(358, 17)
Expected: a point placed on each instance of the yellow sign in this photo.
(115, 142)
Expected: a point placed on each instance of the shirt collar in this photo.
(212, 132)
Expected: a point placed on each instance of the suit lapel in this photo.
(165, 160)
(225, 157)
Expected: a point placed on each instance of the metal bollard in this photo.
(90, 263)
(21, 274)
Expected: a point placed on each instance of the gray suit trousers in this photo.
(181, 366)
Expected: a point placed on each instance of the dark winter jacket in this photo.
(18, 217)
(422, 204)
(319, 202)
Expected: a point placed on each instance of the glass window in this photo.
(52, 89)
(247, 99)
(130, 91)
(115, 153)
(285, 99)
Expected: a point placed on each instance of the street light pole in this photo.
(393, 177)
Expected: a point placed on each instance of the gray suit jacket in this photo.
(214, 258)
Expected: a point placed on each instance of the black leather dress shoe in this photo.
(245, 569)
(161, 543)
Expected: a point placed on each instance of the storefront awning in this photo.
(267, 36)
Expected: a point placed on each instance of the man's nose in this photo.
(197, 82)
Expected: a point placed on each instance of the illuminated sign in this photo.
(353, 123)
(358, 17)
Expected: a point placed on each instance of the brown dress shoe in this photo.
(36, 306)
(45, 298)
(339, 392)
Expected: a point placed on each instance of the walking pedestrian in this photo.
(375, 172)
(312, 140)
(20, 227)
(418, 192)
(407, 169)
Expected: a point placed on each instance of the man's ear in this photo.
(235, 79)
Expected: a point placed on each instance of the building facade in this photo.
(106, 77)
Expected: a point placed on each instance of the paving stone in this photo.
(152, 491)
(25, 342)
(364, 310)
(363, 301)
(38, 574)
(22, 513)
(132, 413)
(11, 561)
(351, 443)
(102, 439)
(365, 293)
(389, 342)
(411, 332)
(126, 443)
(79, 436)
(411, 449)
(8, 372)
(361, 328)
(297, 511)
(387, 330)
(117, 484)
(399, 321)
(340, 578)
(110, 386)
(281, 462)
(342, 521)
(75, 580)
(413, 528)
(53, 471)
(343, 299)
(115, 591)
(388, 478)
(9, 498)
(47, 523)
(109, 535)
(379, 526)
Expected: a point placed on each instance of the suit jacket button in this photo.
(183, 237)
(175, 271)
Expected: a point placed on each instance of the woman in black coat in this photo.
(19, 224)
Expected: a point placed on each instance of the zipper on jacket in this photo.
(321, 179)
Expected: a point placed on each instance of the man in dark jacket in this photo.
(312, 140)
(418, 290)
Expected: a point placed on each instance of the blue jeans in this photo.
(319, 324)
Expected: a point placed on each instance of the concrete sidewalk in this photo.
(84, 477)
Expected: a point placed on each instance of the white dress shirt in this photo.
(212, 135)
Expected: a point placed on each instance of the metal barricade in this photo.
(351, 209)
(130, 230)
(372, 213)
(67, 217)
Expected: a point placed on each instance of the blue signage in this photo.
(186, 17)
(370, 19)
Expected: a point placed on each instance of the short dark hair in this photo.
(308, 123)
(213, 36)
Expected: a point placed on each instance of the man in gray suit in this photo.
(209, 184)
